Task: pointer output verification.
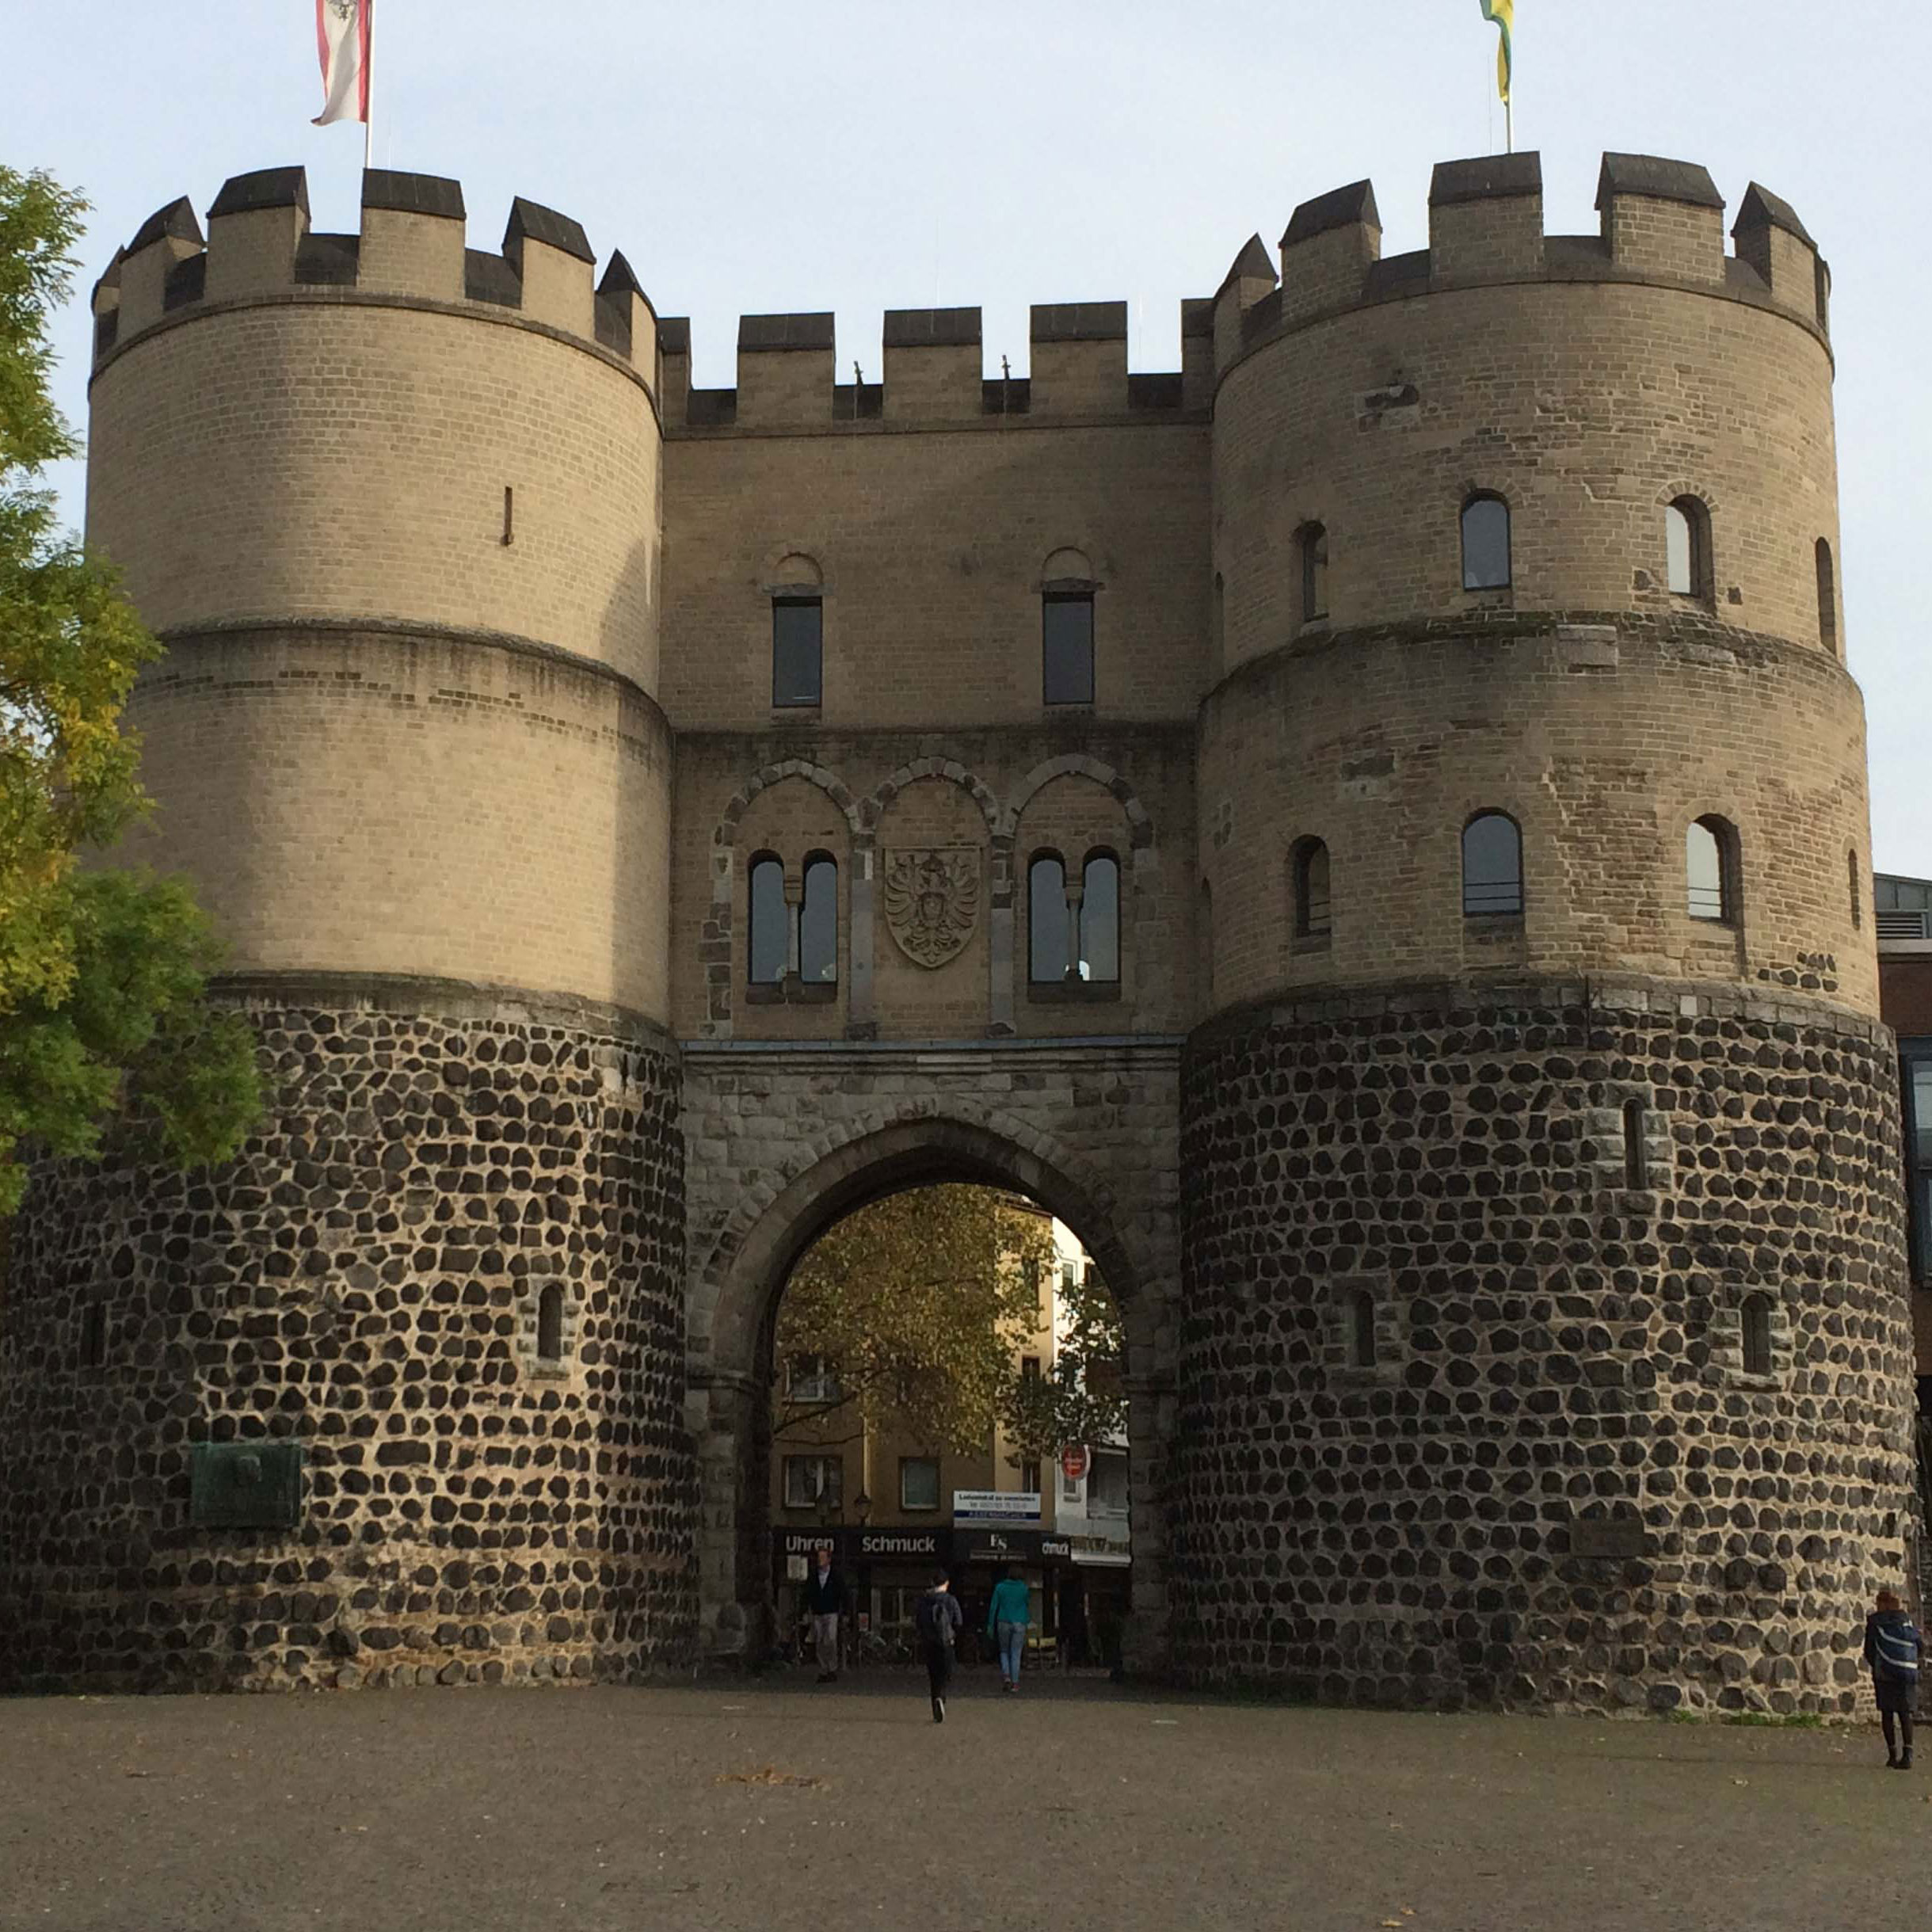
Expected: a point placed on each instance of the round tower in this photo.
(398, 1395)
(1543, 1336)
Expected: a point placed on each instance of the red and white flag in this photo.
(342, 36)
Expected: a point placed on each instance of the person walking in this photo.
(1007, 1616)
(936, 1619)
(1893, 1648)
(824, 1596)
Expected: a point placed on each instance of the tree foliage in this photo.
(1085, 1398)
(102, 971)
(922, 1301)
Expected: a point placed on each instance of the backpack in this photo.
(932, 1618)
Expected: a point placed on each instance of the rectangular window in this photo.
(798, 637)
(1030, 1370)
(918, 1482)
(811, 1480)
(814, 1378)
(1106, 1486)
(1918, 1058)
(1066, 629)
(1030, 1478)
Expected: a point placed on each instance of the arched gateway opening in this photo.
(736, 1292)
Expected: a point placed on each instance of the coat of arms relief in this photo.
(931, 894)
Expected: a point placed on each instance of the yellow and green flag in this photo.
(1503, 13)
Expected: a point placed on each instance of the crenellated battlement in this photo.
(413, 246)
(1660, 221)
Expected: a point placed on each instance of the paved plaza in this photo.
(1073, 1805)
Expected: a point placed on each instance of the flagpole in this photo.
(368, 82)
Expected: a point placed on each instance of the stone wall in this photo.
(363, 1279)
(1555, 1345)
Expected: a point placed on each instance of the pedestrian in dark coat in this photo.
(1893, 1648)
(937, 1620)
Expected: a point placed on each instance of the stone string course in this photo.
(365, 1279)
(1553, 1346)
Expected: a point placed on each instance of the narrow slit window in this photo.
(1687, 527)
(1757, 1334)
(1710, 869)
(769, 941)
(1636, 1160)
(93, 1335)
(1827, 598)
(1099, 919)
(1485, 544)
(1491, 867)
(1066, 643)
(798, 651)
(1313, 918)
(550, 1323)
(818, 923)
(1046, 920)
(1359, 1312)
(1314, 573)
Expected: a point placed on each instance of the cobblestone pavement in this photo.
(1072, 1806)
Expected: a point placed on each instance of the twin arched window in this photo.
(794, 935)
(1492, 866)
(1073, 930)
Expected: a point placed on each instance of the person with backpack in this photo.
(1007, 1616)
(936, 1619)
(1893, 1648)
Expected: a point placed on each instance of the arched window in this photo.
(1099, 918)
(1492, 866)
(1314, 547)
(1827, 598)
(1636, 1161)
(1485, 543)
(550, 1323)
(1312, 916)
(1854, 878)
(769, 941)
(1756, 1323)
(1710, 870)
(1687, 547)
(1048, 948)
(818, 922)
(1359, 1317)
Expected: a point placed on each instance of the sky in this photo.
(854, 155)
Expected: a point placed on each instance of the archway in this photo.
(736, 1292)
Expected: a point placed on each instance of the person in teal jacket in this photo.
(1007, 1616)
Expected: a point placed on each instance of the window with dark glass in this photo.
(918, 1482)
(1314, 573)
(818, 923)
(1046, 920)
(811, 1481)
(814, 1378)
(1686, 530)
(1492, 866)
(1485, 544)
(1312, 919)
(1099, 918)
(1710, 869)
(1757, 1336)
(550, 1323)
(769, 945)
(798, 653)
(1066, 632)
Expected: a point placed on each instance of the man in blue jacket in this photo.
(1892, 1648)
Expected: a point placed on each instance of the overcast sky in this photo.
(856, 155)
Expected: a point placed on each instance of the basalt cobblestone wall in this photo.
(1557, 1341)
(365, 1278)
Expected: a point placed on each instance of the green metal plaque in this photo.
(245, 1485)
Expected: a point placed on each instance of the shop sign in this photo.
(849, 1546)
(1073, 1461)
(998, 1546)
(904, 1545)
(973, 1507)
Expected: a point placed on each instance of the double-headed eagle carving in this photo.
(931, 900)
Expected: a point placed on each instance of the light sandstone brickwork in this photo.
(463, 753)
